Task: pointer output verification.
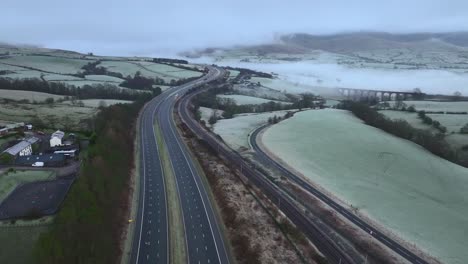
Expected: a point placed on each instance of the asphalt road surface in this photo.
(325, 244)
(204, 241)
(396, 247)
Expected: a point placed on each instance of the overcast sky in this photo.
(156, 27)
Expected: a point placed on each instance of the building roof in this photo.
(32, 140)
(40, 158)
(15, 125)
(14, 150)
(58, 134)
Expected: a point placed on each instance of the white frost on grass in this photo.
(25, 74)
(259, 91)
(59, 77)
(457, 140)
(104, 78)
(412, 192)
(411, 118)
(235, 131)
(329, 74)
(149, 70)
(81, 83)
(233, 74)
(206, 113)
(28, 95)
(245, 100)
(286, 85)
(94, 103)
(48, 63)
(439, 106)
(453, 123)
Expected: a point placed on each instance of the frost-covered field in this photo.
(411, 118)
(172, 72)
(104, 78)
(260, 91)
(23, 74)
(245, 100)
(333, 70)
(457, 140)
(58, 77)
(97, 102)
(54, 116)
(235, 131)
(453, 123)
(206, 113)
(439, 106)
(148, 69)
(410, 191)
(31, 96)
(83, 82)
(284, 84)
(233, 74)
(47, 63)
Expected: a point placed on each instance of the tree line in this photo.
(230, 107)
(97, 91)
(89, 225)
(435, 143)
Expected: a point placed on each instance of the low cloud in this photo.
(148, 27)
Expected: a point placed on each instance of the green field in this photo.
(17, 243)
(10, 180)
(410, 191)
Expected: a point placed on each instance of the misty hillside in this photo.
(301, 43)
(353, 42)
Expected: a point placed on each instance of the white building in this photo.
(23, 148)
(56, 138)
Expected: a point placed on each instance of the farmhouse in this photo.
(23, 148)
(56, 138)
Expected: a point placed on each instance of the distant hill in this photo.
(301, 43)
(351, 42)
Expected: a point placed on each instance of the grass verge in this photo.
(176, 225)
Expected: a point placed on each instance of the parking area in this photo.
(36, 199)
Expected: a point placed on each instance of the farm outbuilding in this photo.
(23, 148)
(56, 138)
(50, 160)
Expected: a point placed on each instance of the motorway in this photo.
(287, 205)
(204, 242)
(393, 245)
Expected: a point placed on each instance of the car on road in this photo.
(38, 164)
